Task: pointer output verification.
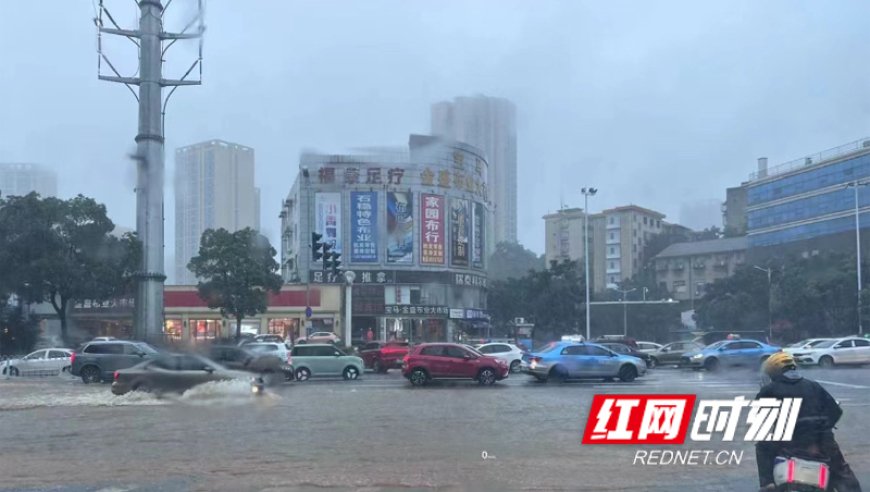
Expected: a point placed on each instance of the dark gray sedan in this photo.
(672, 353)
(173, 374)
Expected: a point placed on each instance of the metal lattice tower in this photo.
(152, 42)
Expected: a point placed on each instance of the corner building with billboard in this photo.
(412, 223)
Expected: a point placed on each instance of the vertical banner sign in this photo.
(400, 228)
(459, 228)
(432, 230)
(478, 236)
(328, 218)
(364, 227)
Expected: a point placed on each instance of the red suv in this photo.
(382, 356)
(452, 361)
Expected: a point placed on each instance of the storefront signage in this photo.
(364, 227)
(368, 300)
(476, 314)
(328, 222)
(459, 231)
(123, 303)
(478, 235)
(457, 314)
(405, 310)
(400, 227)
(469, 279)
(432, 230)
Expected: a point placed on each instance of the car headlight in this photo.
(697, 356)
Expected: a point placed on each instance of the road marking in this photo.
(845, 385)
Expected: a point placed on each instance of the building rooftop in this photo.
(570, 212)
(710, 247)
(817, 159)
(635, 208)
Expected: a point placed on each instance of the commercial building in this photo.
(18, 179)
(413, 224)
(188, 319)
(489, 124)
(805, 206)
(214, 188)
(619, 235)
(685, 269)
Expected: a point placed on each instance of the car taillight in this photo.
(72, 358)
(289, 360)
(407, 357)
(117, 375)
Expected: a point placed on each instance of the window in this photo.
(634, 262)
(611, 221)
(644, 221)
(861, 343)
(750, 345)
(455, 352)
(132, 350)
(634, 233)
(846, 344)
(663, 285)
(634, 248)
(596, 351)
(57, 354)
(611, 235)
(612, 279)
(612, 250)
(619, 348)
(680, 286)
(699, 288)
(574, 350)
(105, 348)
(302, 351)
(611, 265)
(658, 224)
(432, 351)
(500, 349)
(733, 346)
(36, 355)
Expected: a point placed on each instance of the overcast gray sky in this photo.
(652, 102)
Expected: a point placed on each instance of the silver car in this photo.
(316, 360)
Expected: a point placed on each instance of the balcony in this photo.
(699, 265)
(615, 240)
(678, 266)
(720, 264)
(614, 225)
(662, 266)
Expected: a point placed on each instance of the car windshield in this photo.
(262, 347)
(716, 345)
(148, 349)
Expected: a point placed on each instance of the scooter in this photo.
(258, 386)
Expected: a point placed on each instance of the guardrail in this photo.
(813, 159)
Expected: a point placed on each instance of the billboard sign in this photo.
(478, 236)
(364, 227)
(328, 218)
(459, 232)
(400, 227)
(432, 230)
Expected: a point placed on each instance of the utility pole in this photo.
(856, 184)
(625, 309)
(149, 38)
(587, 192)
(769, 272)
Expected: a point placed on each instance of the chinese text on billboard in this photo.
(478, 225)
(459, 228)
(432, 230)
(364, 227)
(328, 208)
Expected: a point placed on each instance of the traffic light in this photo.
(327, 254)
(316, 245)
(335, 264)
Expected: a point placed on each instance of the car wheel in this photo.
(826, 362)
(653, 362)
(627, 374)
(13, 371)
(418, 377)
(711, 364)
(351, 373)
(515, 366)
(486, 377)
(559, 374)
(91, 374)
(376, 366)
(303, 374)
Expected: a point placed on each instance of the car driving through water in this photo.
(561, 361)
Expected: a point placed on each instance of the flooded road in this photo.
(369, 435)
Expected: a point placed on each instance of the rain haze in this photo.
(651, 102)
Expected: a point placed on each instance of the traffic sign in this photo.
(308, 312)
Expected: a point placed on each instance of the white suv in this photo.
(270, 348)
(509, 352)
(849, 350)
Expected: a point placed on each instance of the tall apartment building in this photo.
(807, 206)
(214, 188)
(489, 124)
(17, 179)
(616, 240)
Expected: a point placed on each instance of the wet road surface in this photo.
(376, 434)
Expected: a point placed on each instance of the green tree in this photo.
(512, 260)
(60, 251)
(736, 303)
(237, 270)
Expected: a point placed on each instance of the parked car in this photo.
(97, 361)
(430, 361)
(276, 349)
(511, 353)
(804, 345)
(45, 362)
(383, 356)
(839, 351)
(562, 361)
(268, 338)
(672, 353)
(648, 347)
(315, 360)
(242, 359)
(630, 351)
(172, 374)
(617, 339)
(320, 337)
(749, 353)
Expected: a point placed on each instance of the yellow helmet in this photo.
(778, 363)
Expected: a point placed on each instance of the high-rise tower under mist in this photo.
(488, 123)
(214, 188)
(21, 179)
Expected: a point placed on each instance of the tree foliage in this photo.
(512, 260)
(237, 270)
(60, 251)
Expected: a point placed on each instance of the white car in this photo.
(849, 350)
(44, 362)
(509, 352)
(803, 345)
(648, 347)
(270, 348)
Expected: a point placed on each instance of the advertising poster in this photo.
(432, 230)
(364, 227)
(459, 231)
(327, 208)
(400, 228)
(478, 236)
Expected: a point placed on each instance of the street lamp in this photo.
(624, 309)
(769, 302)
(349, 277)
(856, 184)
(587, 192)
